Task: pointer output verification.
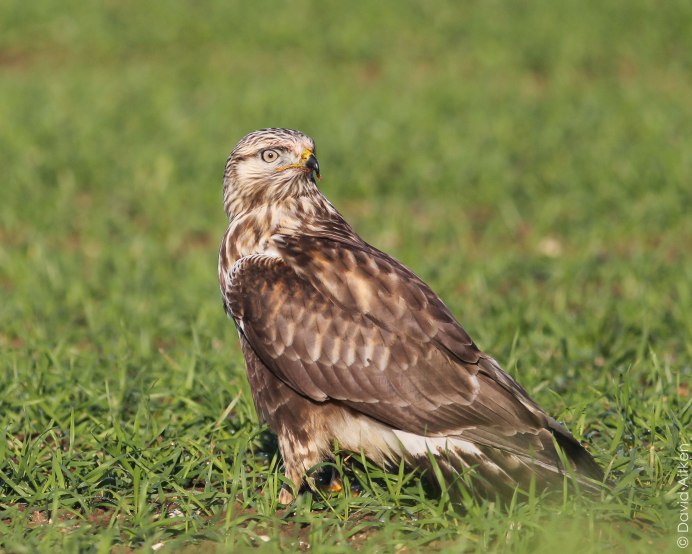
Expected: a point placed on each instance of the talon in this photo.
(335, 485)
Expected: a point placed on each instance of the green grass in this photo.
(531, 161)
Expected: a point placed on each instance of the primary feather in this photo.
(343, 342)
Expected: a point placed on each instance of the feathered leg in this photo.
(299, 456)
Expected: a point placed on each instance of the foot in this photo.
(285, 496)
(334, 485)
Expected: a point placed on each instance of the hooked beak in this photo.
(313, 165)
(308, 163)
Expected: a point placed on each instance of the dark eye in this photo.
(269, 155)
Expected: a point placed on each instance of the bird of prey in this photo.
(344, 344)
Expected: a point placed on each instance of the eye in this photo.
(269, 156)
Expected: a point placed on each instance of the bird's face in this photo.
(270, 164)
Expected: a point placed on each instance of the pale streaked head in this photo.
(267, 166)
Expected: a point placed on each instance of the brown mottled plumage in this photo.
(344, 343)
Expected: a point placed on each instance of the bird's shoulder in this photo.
(354, 277)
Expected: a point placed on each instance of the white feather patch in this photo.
(357, 432)
(418, 446)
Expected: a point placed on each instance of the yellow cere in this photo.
(303, 158)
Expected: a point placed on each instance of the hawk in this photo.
(343, 343)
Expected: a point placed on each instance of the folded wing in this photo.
(345, 322)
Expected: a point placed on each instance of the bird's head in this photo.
(267, 166)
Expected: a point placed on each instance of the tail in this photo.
(582, 463)
(491, 468)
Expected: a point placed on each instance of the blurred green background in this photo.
(530, 160)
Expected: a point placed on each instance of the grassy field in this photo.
(531, 160)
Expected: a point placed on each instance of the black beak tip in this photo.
(314, 165)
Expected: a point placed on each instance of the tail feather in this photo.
(493, 469)
(583, 462)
